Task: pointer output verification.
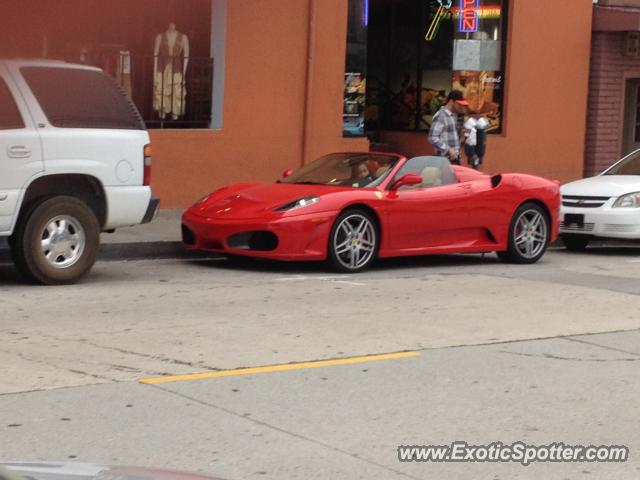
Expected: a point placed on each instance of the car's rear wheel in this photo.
(574, 243)
(353, 242)
(529, 234)
(57, 241)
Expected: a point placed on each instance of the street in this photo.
(536, 353)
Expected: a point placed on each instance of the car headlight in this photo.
(301, 202)
(630, 200)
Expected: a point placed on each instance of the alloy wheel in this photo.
(530, 233)
(354, 241)
(63, 241)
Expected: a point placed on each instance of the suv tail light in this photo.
(147, 165)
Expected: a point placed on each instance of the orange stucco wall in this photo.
(283, 97)
(279, 108)
(546, 93)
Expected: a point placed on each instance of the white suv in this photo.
(75, 160)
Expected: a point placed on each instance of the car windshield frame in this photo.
(345, 161)
(631, 158)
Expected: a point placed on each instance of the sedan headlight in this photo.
(301, 202)
(630, 200)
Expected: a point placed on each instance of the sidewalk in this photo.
(160, 238)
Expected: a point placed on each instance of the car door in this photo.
(20, 150)
(427, 217)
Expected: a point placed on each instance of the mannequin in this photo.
(170, 62)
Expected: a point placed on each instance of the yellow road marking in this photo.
(280, 368)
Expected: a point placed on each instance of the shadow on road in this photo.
(272, 266)
(9, 276)
(610, 250)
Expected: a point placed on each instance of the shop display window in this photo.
(419, 50)
(159, 52)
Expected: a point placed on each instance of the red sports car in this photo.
(350, 208)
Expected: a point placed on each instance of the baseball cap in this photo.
(457, 96)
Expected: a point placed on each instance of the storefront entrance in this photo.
(416, 52)
(419, 50)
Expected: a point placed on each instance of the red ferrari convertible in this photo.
(351, 208)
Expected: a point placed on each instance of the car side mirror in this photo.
(407, 179)
(287, 173)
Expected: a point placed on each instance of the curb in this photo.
(113, 252)
(145, 250)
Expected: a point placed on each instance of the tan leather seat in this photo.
(431, 177)
(381, 171)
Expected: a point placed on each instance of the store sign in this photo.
(484, 13)
(469, 16)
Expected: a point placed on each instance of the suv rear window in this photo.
(10, 117)
(76, 98)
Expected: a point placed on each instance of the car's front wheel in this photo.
(353, 242)
(57, 241)
(529, 234)
(574, 243)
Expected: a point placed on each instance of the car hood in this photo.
(256, 200)
(87, 471)
(603, 186)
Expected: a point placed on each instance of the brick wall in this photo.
(605, 112)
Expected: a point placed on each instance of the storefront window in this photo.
(356, 64)
(419, 50)
(158, 51)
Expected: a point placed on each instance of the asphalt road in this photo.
(543, 353)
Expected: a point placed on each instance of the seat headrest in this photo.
(431, 177)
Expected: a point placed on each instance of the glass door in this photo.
(632, 117)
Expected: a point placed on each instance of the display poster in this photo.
(354, 103)
(484, 92)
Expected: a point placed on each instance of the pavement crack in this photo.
(283, 431)
(570, 359)
(160, 358)
(577, 279)
(492, 343)
(613, 349)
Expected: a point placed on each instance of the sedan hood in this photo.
(255, 200)
(603, 186)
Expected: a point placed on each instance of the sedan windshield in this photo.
(629, 165)
(358, 170)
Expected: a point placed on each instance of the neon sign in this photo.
(441, 13)
(469, 16)
(492, 12)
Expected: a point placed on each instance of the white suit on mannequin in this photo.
(170, 62)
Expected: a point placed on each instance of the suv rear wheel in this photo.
(57, 241)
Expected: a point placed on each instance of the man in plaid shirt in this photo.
(443, 134)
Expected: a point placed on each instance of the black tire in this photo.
(78, 235)
(363, 246)
(537, 240)
(574, 243)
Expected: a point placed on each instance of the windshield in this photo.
(629, 165)
(358, 170)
